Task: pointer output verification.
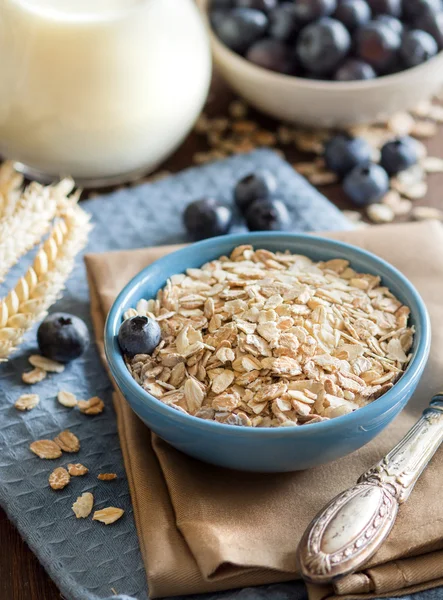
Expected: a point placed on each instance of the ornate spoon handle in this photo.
(349, 530)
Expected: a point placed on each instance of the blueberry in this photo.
(216, 16)
(419, 8)
(353, 69)
(391, 22)
(417, 47)
(378, 44)
(432, 23)
(343, 153)
(353, 13)
(311, 10)
(268, 215)
(257, 186)
(366, 184)
(321, 46)
(62, 337)
(139, 335)
(207, 218)
(221, 4)
(399, 154)
(241, 27)
(270, 54)
(263, 5)
(386, 7)
(283, 22)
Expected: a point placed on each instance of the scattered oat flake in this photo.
(106, 476)
(423, 109)
(108, 515)
(424, 213)
(401, 123)
(353, 215)
(59, 478)
(424, 129)
(414, 191)
(238, 109)
(77, 469)
(27, 402)
(67, 441)
(432, 164)
(93, 406)
(46, 364)
(45, 449)
(323, 178)
(436, 113)
(82, 507)
(380, 213)
(34, 376)
(400, 206)
(67, 399)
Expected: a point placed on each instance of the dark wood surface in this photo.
(21, 575)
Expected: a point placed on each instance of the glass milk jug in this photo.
(102, 90)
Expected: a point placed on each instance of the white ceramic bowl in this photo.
(326, 103)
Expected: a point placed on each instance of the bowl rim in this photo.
(313, 84)
(120, 371)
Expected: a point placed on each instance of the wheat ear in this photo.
(10, 188)
(41, 286)
(30, 221)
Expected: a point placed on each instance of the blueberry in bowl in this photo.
(392, 8)
(284, 23)
(392, 22)
(270, 54)
(322, 45)
(139, 335)
(336, 64)
(417, 47)
(354, 69)
(310, 10)
(353, 13)
(241, 27)
(378, 44)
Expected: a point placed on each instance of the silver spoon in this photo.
(351, 528)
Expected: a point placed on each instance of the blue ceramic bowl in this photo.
(267, 449)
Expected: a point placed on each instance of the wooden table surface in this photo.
(21, 575)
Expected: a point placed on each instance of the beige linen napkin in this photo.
(203, 528)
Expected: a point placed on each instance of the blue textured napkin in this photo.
(87, 560)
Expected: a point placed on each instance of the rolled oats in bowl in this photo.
(265, 339)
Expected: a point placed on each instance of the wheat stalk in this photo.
(31, 219)
(41, 286)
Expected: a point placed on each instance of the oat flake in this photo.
(107, 476)
(82, 507)
(45, 449)
(108, 515)
(67, 399)
(34, 376)
(77, 470)
(59, 478)
(67, 441)
(46, 364)
(27, 402)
